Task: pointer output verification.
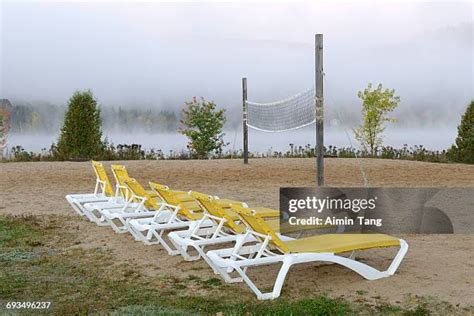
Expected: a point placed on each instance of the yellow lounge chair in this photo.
(121, 174)
(115, 209)
(139, 205)
(272, 249)
(151, 230)
(188, 215)
(189, 201)
(103, 191)
(122, 194)
(227, 229)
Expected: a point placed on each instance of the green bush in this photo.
(463, 149)
(81, 134)
(203, 126)
(376, 104)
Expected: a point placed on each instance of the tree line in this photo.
(81, 134)
(201, 121)
(48, 118)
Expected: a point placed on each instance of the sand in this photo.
(438, 266)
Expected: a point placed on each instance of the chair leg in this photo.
(135, 235)
(369, 272)
(89, 216)
(144, 236)
(118, 229)
(183, 250)
(280, 280)
(76, 208)
(223, 272)
(178, 239)
(148, 239)
(215, 269)
(362, 269)
(159, 237)
(398, 258)
(98, 219)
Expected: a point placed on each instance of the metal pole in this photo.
(319, 103)
(244, 121)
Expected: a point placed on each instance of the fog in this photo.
(159, 54)
(431, 138)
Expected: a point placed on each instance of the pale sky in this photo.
(162, 53)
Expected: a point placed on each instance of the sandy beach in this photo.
(437, 266)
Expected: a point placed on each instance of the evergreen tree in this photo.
(81, 134)
(463, 149)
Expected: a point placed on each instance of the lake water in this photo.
(430, 138)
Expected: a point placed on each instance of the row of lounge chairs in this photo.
(188, 223)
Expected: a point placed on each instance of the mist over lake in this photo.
(431, 138)
(143, 61)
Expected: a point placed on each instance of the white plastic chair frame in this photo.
(119, 216)
(242, 257)
(152, 230)
(77, 201)
(119, 202)
(201, 235)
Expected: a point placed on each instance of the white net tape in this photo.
(284, 115)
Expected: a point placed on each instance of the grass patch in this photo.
(205, 284)
(17, 255)
(19, 232)
(150, 310)
(39, 262)
(212, 282)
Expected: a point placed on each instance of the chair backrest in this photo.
(217, 209)
(258, 225)
(102, 176)
(164, 192)
(136, 188)
(120, 174)
(170, 197)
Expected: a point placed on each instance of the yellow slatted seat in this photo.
(266, 212)
(227, 204)
(182, 196)
(102, 176)
(338, 243)
(215, 207)
(189, 208)
(152, 193)
(334, 243)
(121, 174)
(274, 224)
(136, 188)
(190, 205)
(218, 208)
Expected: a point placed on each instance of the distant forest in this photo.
(48, 118)
(43, 117)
